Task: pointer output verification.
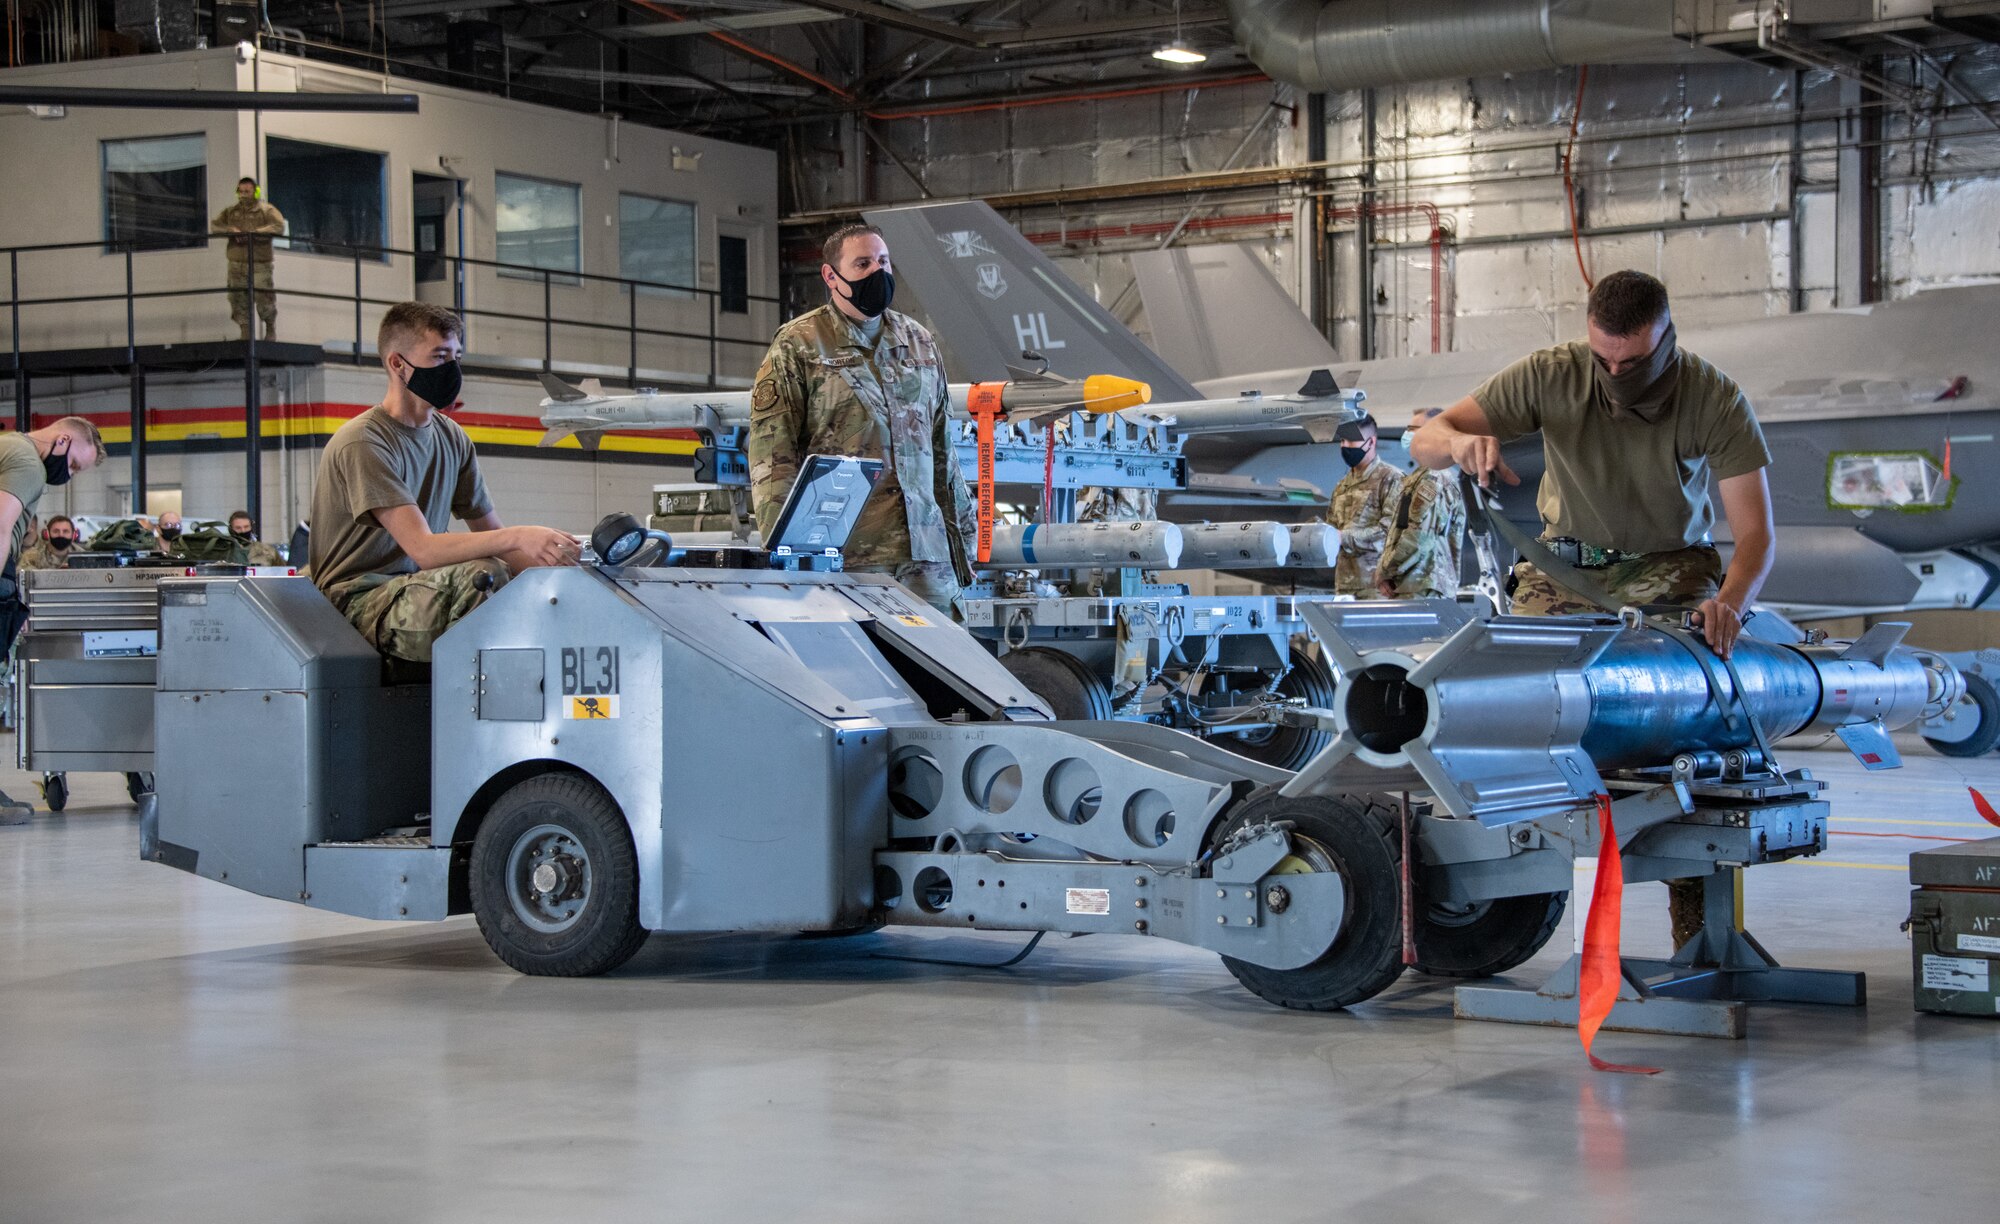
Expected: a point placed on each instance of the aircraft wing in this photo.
(989, 294)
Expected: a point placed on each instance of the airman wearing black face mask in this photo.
(243, 534)
(52, 550)
(29, 463)
(857, 378)
(390, 482)
(1361, 507)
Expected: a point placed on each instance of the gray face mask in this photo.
(1642, 392)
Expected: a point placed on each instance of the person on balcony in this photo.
(249, 224)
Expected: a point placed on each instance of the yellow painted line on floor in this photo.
(1938, 824)
(1813, 862)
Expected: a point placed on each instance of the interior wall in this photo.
(1720, 178)
(456, 133)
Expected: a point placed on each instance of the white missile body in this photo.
(585, 411)
(1229, 546)
(1314, 546)
(1115, 545)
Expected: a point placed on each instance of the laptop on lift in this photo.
(820, 511)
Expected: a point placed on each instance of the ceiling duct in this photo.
(1351, 44)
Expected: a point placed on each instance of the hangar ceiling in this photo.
(749, 69)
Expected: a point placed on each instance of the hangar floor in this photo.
(173, 1049)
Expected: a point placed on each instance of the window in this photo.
(656, 243)
(332, 197)
(535, 224)
(156, 192)
(733, 275)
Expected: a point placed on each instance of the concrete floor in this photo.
(174, 1049)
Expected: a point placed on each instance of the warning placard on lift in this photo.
(1087, 900)
(590, 682)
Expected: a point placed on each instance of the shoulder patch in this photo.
(765, 394)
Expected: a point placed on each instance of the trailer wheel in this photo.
(55, 791)
(1484, 938)
(555, 881)
(1355, 835)
(1065, 682)
(1980, 699)
(1291, 747)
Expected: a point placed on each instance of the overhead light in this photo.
(1178, 52)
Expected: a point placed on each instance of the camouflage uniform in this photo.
(256, 552)
(824, 389)
(250, 261)
(1117, 505)
(1363, 503)
(403, 615)
(40, 556)
(1420, 555)
(1131, 664)
(1682, 578)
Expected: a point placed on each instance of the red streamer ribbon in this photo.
(1601, 972)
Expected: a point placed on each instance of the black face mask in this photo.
(871, 294)
(170, 533)
(436, 385)
(55, 464)
(60, 543)
(1354, 456)
(241, 535)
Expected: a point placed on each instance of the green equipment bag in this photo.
(208, 544)
(125, 535)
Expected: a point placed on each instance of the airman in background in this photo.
(1362, 505)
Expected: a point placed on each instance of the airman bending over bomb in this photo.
(1632, 428)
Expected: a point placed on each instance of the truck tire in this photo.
(1355, 835)
(1063, 681)
(1290, 747)
(555, 881)
(1981, 697)
(1484, 938)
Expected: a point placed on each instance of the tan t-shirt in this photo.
(21, 474)
(1630, 485)
(376, 462)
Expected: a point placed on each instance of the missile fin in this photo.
(1876, 645)
(1871, 745)
(560, 391)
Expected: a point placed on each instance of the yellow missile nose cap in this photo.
(1110, 393)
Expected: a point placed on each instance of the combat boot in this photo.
(13, 811)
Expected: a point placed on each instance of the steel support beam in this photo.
(1857, 256)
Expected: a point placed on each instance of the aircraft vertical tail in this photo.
(989, 294)
(1222, 314)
